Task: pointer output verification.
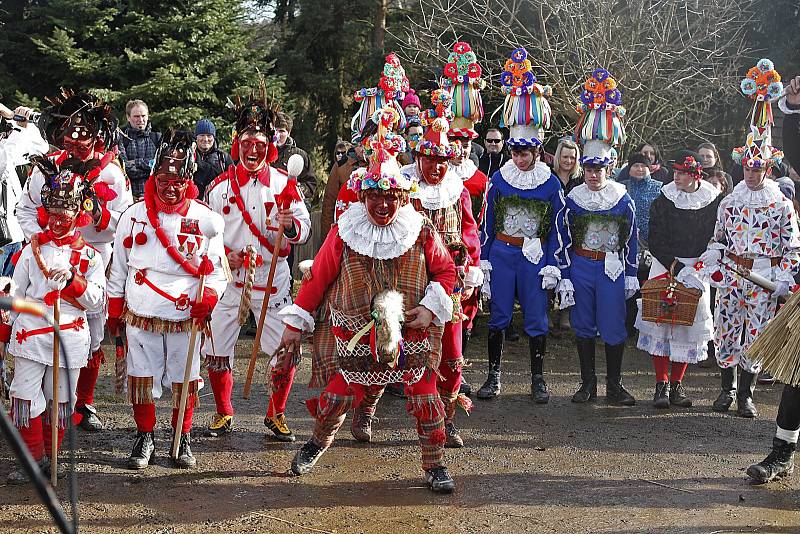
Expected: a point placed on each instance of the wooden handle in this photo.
(251, 367)
(54, 407)
(187, 373)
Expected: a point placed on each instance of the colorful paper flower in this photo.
(614, 97)
(774, 89)
(765, 65)
(461, 47)
(600, 74)
(519, 55)
(506, 78)
(474, 70)
(748, 86)
(451, 70)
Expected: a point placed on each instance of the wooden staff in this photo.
(283, 200)
(187, 372)
(54, 407)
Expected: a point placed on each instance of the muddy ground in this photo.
(526, 468)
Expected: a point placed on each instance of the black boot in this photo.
(144, 451)
(661, 396)
(588, 389)
(537, 347)
(491, 388)
(744, 395)
(185, 459)
(678, 397)
(778, 464)
(439, 480)
(725, 399)
(512, 335)
(89, 420)
(307, 457)
(615, 391)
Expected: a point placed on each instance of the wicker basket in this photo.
(667, 301)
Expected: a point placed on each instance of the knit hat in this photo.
(81, 116)
(638, 157)
(205, 126)
(600, 126)
(762, 85)
(411, 99)
(526, 111)
(462, 79)
(391, 91)
(383, 171)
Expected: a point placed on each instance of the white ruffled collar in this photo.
(602, 200)
(702, 197)
(757, 199)
(379, 242)
(465, 170)
(434, 197)
(525, 180)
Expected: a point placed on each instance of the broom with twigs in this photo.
(778, 345)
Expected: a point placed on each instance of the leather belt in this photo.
(511, 240)
(591, 254)
(747, 263)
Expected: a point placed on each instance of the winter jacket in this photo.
(336, 179)
(210, 165)
(307, 179)
(137, 151)
(490, 163)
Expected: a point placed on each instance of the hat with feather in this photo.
(255, 115)
(80, 116)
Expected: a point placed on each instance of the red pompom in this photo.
(127, 242)
(717, 277)
(226, 209)
(42, 217)
(437, 437)
(206, 267)
(232, 200)
(104, 192)
(141, 238)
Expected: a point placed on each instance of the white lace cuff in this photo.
(486, 265)
(551, 270)
(565, 285)
(438, 302)
(631, 283)
(474, 277)
(295, 316)
(785, 107)
(784, 275)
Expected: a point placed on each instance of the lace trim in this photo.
(744, 196)
(465, 171)
(525, 180)
(783, 106)
(438, 302)
(602, 200)
(702, 197)
(434, 197)
(379, 242)
(295, 316)
(550, 270)
(632, 283)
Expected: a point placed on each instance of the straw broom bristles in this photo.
(778, 346)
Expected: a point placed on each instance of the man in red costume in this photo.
(164, 245)
(84, 128)
(381, 250)
(250, 197)
(442, 197)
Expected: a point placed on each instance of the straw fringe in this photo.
(21, 412)
(778, 346)
(176, 393)
(157, 325)
(140, 390)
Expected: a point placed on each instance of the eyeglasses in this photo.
(493, 141)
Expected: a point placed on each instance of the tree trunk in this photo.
(379, 34)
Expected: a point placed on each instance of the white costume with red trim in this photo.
(31, 341)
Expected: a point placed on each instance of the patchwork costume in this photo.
(357, 262)
(681, 223)
(520, 237)
(598, 245)
(160, 252)
(248, 203)
(83, 117)
(30, 338)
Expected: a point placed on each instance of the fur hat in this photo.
(80, 116)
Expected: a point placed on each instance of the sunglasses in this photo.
(494, 141)
(340, 153)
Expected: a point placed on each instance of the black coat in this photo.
(210, 165)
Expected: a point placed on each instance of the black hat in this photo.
(80, 116)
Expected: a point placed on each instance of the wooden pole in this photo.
(251, 368)
(54, 407)
(187, 373)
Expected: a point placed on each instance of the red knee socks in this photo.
(222, 386)
(678, 370)
(33, 436)
(47, 434)
(88, 379)
(187, 416)
(281, 386)
(661, 365)
(145, 417)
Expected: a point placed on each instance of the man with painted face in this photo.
(58, 264)
(379, 243)
(163, 246)
(247, 198)
(442, 197)
(84, 128)
(597, 244)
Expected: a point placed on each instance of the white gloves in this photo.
(566, 293)
(711, 258)
(690, 278)
(58, 279)
(781, 289)
(486, 288)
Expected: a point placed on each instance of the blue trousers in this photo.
(599, 302)
(513, 275)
